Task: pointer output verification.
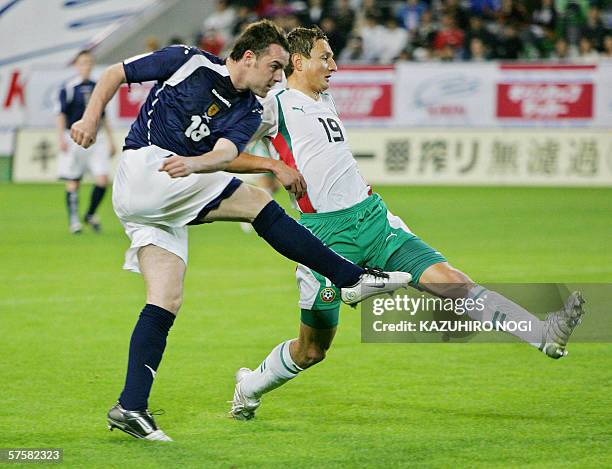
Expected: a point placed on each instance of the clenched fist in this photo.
(84, 133)
(179, 166)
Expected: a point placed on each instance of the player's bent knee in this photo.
(454, 275)
(258, 199)
(169, 303)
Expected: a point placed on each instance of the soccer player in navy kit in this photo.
(74, 161)
(197, 118)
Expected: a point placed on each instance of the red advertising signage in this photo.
(130, 99)
(545, 100)
(363, 93)
(552, 92)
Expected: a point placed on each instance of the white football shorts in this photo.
(155, 208)
(76, 161)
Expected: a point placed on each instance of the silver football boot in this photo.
(558, 326)
(243, 407)
(138, 423)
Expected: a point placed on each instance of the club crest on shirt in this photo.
(212, 109)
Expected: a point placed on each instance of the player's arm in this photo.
(61, 128)
(217, 159)
(84, 131)
(291, 179)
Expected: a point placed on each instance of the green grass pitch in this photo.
(67, 311)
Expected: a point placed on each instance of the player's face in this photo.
(84, 65)
(268, 70)
(320, 66)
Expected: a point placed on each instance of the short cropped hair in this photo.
(80, 54)
(301, 41)
(257, 37)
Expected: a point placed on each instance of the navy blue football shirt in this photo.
(192, 105)
(73, 98)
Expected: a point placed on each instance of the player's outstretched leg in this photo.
(558, 326)
(550, 336)
(284, 363)
(163, 273)
(292, 240)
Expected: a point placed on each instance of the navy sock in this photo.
(146, 349)
(297, 243)
(72, 204)
(97, 194)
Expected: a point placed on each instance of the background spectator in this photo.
(384, 31)
(222, 21)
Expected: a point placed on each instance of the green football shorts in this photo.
(366, 234)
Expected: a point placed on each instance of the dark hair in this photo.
(257, 37)
(301, 41)
(81, 53)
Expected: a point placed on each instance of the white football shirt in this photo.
(308, 135)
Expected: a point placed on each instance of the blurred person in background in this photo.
(458, 12)
(151, 43)
(74, 161)
(594, 28)
(211, 41)
(509, 45)
(393, 40)
(571, 22)
(448, 36)
(477, 30)
(222, 20)
(545, 16)
(562, 51)
(353, 52)
(344, 15)
(485, 8)
(372, 33)
(410, 12)
(336, 37)
(244, 16)
(586, 51)
(477, 50)
(607, 47)
(512, 11)
(424, 35)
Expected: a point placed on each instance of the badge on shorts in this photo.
(213, 109)
(328, 295)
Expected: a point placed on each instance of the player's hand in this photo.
(63, 145)
(291, 179)
(112, 149)
(178, 166)
(83, 132)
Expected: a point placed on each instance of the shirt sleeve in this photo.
(157, 66)
(269, 118)
(244, 130)
(62, 103)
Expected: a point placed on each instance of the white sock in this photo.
(499, 309)
(274, 371)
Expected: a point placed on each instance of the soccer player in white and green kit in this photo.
(302, 125)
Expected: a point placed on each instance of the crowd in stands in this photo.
(383, 32)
